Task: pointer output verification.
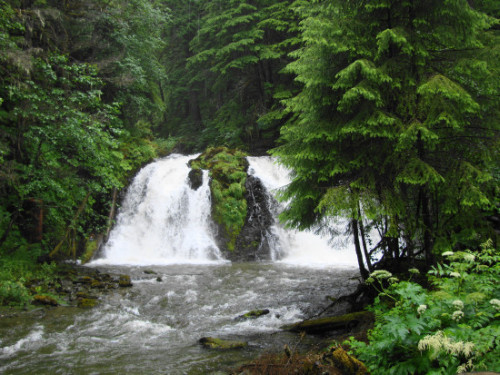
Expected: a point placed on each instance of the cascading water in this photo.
(163, 220)
(154, 327)
(307, 248)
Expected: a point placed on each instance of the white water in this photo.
(163, 221)
(290, 246)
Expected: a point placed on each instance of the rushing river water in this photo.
(154, 327)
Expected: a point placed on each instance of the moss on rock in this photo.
(215, 343)
(124, 281)
(40, 299)
(227, 171)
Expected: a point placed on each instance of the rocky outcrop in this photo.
(252, 244)
(195, 178)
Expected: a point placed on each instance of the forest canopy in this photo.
(386, 112)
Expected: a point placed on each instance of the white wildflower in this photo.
(369, 280)
(381, 274)
(454, 274)
(458, 305)
(439, 342)
(457, 315)
(413, 270)
(469, 257)
(393, 280)
(496, 303)
(421, 309)
(448, 253)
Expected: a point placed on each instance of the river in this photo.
(183, 290)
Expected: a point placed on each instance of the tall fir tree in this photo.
(397, 115)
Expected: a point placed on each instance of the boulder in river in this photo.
(124, 281)
(253, 314)
(215, 343)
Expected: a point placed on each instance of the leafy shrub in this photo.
(13, 293)
(452, 328)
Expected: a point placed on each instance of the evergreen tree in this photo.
(396, 121)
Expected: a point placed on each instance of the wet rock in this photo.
(215, 343)
(322, 325)
(195, 177)
(252, 243)
(84, 280)
(87, 303)
(149, 272)
(159, 279)
(44, 300)
(124, 281)
(97, 284)
(253, 314)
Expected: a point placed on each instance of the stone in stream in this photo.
(253, 314)
(124, 281)
(44, 300)
(215, 343)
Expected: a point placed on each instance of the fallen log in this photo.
(332, 323)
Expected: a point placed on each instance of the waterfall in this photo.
(164, 221)
(309, 247)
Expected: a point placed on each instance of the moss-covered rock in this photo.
(124, 281)
(228, 174)
(40, 299)
(346, 363)
(87, 303)
(215, 343)
(322, 325)
(253, 314)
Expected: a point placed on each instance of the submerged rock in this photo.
(253, 314)
(87, 302)
(44, 300)
(322, 325)
(215, 343)
(124, 281)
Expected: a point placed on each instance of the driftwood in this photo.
(332, 323)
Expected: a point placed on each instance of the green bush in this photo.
(450, 329)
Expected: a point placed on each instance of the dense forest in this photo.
(387, 113)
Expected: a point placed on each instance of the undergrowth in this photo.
(452, 328)
(21, 277)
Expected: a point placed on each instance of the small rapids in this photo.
(154, 327)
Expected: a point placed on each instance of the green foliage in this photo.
(395, 121)
(453, 327)
(227, 170)
(18, 270)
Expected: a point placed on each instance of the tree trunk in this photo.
(362, 270)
